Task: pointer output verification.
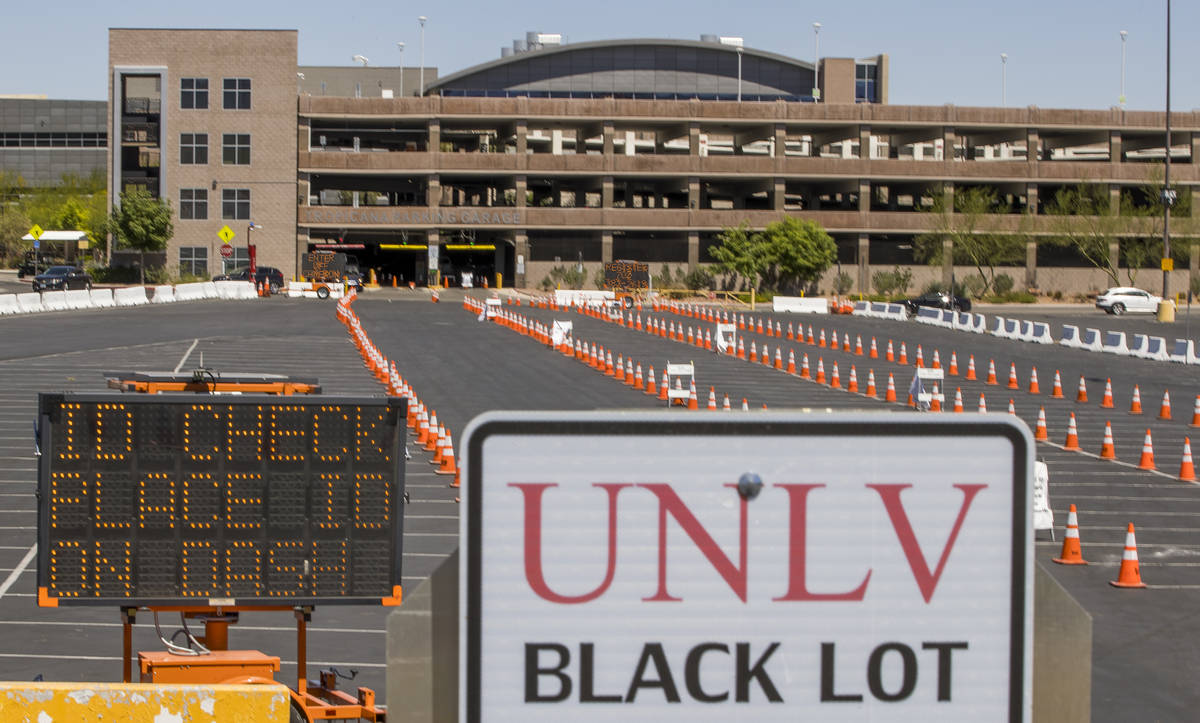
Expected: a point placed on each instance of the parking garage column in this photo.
(1114, 199)
(1195, 149)
(1114, 147)
(778, 193)
(864, 195)
(433, 193)
(949, 138)
(693, 250)
(606, 241)
(864, 263)
(1031, 264)
(609, 131)
(606, 192)
(521, 249)
(522, 134)
(1031, 198)
(521, 189)
(947, 263)
(864, 142)
(693, 139)
(1033, 145)
(435, 135)
(948, 195)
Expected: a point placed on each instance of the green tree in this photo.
(1083, 219)
(739, 253)
(972, 242)
(142, 223)
(14, 224)
(797, 251)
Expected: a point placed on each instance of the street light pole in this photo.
(1121, 99)
(250, 249)
(1003, 80)
(422, 20)
(1168, 195)
(400, 47)
(816, 91)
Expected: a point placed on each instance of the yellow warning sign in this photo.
(226, 234)
(36, 232)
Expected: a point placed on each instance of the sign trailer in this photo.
(767, 567)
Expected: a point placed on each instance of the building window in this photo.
(235, 149)
(865, 80)
(193, 260)
(193, 148)
(236, 93)
(193, 93)
(240, 258)
(235, 204)
(193, 204)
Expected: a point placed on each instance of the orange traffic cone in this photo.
(620, 368)
(779, 358)
(1107, 449)
(1130, 574)
(1081, 394)
(1135, 406)
(890, 394)
(791, 367)
(835, 381)
(745, 405)
(852, 386)
(991, 377)
(1040, 431)
(712, 399)
(903, 360)
(1072, 434)
(871, 391)
(820, 370)
(726, 406)
(1057, 391)
(953, 370)
(448, 466)
(920, 362)
(1033, 382)
(833, 341)
(432, 440)
(651, 385)
(1147, 460)
(1187, 472)
(935, 404)
(891, 354)
(1164, 411)
(630, 380)
(639, 381)
(1107, 400)
(804, 371)
(971, 368)
(753, 352)
(821, 340)
(766, 355)
(937, 360)
(958, 403)
(982, 409)
(874, 353)
(741, 349)
(1196, 412)
(810, 341)
(1012, 407)
(858, 348)
(1072, 553)
(1012, 377)
(693, 402)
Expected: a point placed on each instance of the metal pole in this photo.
(816, 60)
(1168, 197)
(422, 20)
(1121, 100)
(1003, 80)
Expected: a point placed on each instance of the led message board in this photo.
(219, 501)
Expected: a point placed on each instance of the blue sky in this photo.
(1061, 53)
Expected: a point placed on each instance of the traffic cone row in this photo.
(1128, 576)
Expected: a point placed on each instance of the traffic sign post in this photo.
(226, 234)
(226, 251)
(776, 566)
(36, 232)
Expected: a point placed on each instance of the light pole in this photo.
(1168, 196)
(1121, 99)
(739, 54)
(250, 250)
(422, 20)
(1003, 80)
(400, 47)
(299, 79)
(816, 91)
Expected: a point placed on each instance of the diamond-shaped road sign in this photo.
(226, 234)
(36, 232)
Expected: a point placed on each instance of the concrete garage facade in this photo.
(643, 149)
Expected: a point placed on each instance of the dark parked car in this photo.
(261, 274)
(61, 278)
(938, 300)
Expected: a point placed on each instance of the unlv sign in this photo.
(747, 567)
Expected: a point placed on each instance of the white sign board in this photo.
(726, 338)
(434, 250)
(1043, 516)
(614, 569)
(560, 331)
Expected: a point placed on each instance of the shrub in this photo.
(842, 283)
(567, 276)
(975, 285)
(1002, 284)
(698, 279)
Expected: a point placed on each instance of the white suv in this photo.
(1121, 299)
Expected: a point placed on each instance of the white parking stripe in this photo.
(12, 578)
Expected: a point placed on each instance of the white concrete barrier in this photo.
(800, 305)
(1183, 353)
(54, 300)
(163, 295)
(1156, 349)
(210, 290)
(1041, 333)
(862, 308)
(130, 296)
(1090, 340)
(245, 289)
(30, 301)
(1070, 336)
(1114, 343)
(8, 305)
(927, 315)
(188, 292)
(567, 297)
(78, 299)
(102, 298)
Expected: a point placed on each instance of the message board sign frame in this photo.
(393, 412)
(512, 434)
